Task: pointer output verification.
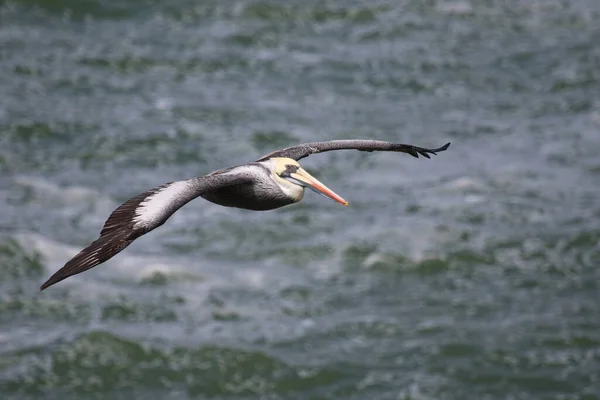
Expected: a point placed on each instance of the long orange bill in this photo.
(309, 181)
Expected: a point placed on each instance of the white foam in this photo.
(455, 7)
(52, 252)
(164, 103)
(71, 194)
(134, 267)
(67, 197)
(464, 183)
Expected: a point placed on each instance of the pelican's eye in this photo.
(289, 169)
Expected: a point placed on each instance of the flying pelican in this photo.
(274, 180)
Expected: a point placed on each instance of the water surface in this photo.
(473, 275)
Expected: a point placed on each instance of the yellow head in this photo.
(291, 176)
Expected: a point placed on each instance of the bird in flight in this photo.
(274, 180)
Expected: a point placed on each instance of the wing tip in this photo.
(95, 254)
(57, 277)
(444, 147)
(433, 151)
(46, 284)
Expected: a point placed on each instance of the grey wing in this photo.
(138, 216)
(304, 150)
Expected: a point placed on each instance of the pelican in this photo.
(274, 180)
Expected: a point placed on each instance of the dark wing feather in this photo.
(304, 150)
(117, 233)
(96, 253)
(138, 216)
(122, 217)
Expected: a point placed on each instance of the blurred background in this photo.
(473, 275)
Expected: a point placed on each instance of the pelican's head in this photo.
(292, 179)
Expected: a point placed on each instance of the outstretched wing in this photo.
(304, 150)
(138, 216)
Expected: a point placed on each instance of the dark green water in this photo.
(474, 275)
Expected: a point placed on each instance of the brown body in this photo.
(246, 196)
(261, 194)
